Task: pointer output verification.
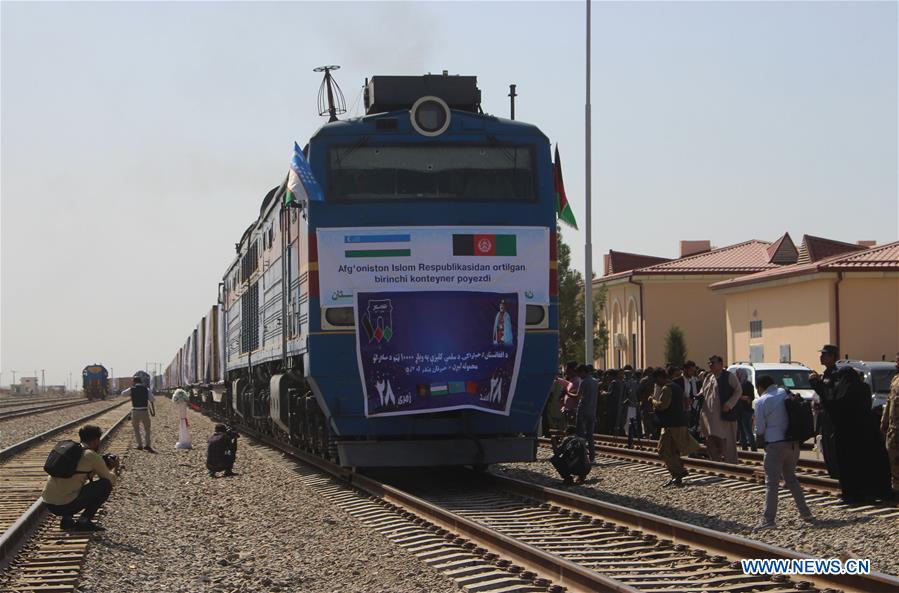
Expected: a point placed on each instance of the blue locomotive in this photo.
(95, 381)
(395, 303)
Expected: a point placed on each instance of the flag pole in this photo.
(588, 255)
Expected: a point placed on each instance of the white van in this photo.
(789, 375)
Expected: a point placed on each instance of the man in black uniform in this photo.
(824, 387)
(857, 448)
(141, 410)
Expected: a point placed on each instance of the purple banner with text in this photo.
(431, 351)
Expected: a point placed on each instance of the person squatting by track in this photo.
(70, 488)
(221, 451)
(570, 457)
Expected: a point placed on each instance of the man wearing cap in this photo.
(718, 419)
(864, 468)
(824, 387)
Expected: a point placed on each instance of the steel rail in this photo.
(751, 473)
(5, 405)
(560, 570)
(546, 565)
(750, 456)
(39, 410)
(12, 539)
(31, 441)
(692, 535)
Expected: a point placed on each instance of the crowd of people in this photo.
(684, 407)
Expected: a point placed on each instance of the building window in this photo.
(757, 353)
(755, 329)
(785, 353)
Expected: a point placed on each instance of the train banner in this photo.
(503, 259)
(432, 351)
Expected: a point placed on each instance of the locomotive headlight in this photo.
(430, 116)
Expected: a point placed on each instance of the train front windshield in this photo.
(495, 173)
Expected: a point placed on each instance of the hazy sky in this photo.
(138, 139)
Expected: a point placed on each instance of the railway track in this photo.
(805, 465)
(749, 475)
(6, 403)
(18, 410)
(491, 533)
(34, 554)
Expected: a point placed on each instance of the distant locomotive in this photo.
(95, 381)
(407, 315)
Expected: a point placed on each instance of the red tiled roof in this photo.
(742, 258)
(817, 248)
(749, 256)
(783, 251)
(620, 261)
(883, 258)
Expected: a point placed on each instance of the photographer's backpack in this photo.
(800, 420)
(62, 462)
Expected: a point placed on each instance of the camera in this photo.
(110, 459)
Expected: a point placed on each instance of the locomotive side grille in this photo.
(249, 314)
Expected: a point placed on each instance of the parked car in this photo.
(789, 375)
(878, 376)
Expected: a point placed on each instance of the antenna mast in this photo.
(330, 91)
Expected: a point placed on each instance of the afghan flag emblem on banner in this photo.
(484, 245)
(563, 208)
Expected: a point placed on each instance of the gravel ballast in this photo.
(18, 429)
(837, 532)
(171, 527)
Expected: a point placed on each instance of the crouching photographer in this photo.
(221, 451)
(70, 488)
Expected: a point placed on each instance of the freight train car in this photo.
(395, 302)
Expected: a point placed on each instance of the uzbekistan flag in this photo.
(563, 208)
(398, 245)
(439, 389)
(484, 245)
(301, 184)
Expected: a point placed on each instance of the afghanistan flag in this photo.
(485, 245)
(563, 208)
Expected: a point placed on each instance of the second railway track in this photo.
(492, 533)
(749, 473)
(22, 477)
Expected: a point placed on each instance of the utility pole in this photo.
(588, 255)
(43, 382)
(512, 95)
(13, 380)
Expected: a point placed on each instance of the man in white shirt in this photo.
(781, 455)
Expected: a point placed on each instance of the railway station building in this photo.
(786, 314)
(645, 298)
(648, 295)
